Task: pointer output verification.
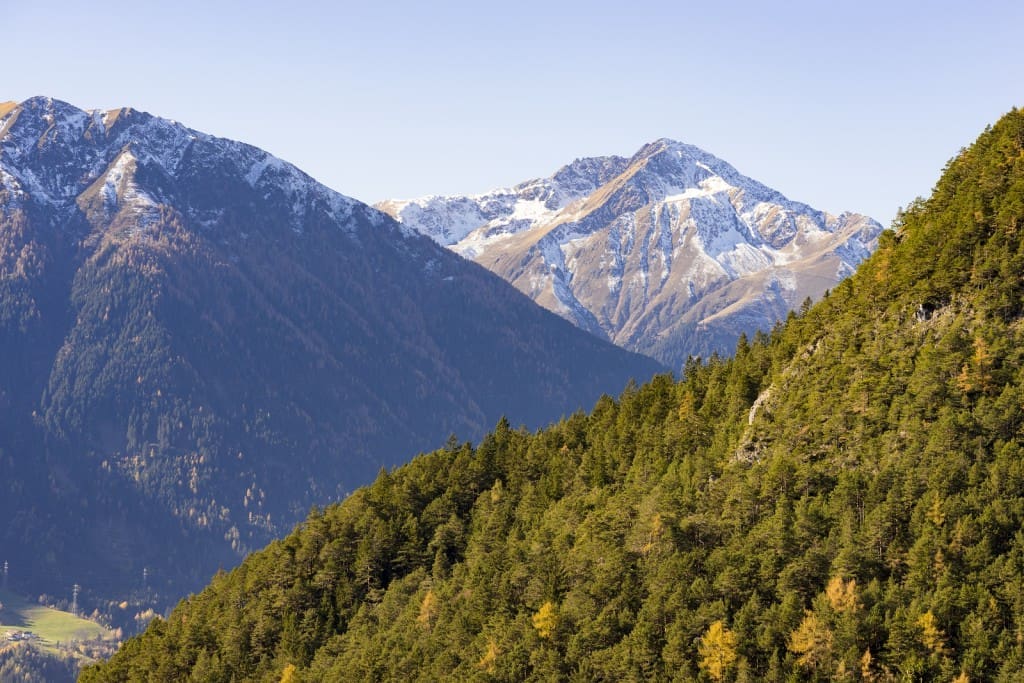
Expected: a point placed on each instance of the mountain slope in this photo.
(199, 342)
(842, 500)
(670, 253)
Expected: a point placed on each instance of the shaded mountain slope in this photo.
(200, 341)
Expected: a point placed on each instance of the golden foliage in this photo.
(931, 636)
(842, 595)
(977, 374)
(717, 650)
(935, 513)
(490, 657)
(811, 641)
(656, 533)
(288, 675)
(866, 673)
(545, 620)
(428, 609)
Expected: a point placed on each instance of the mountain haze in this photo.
(669, 253)
(200, 341)
(841, 500)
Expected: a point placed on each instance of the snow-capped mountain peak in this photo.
(45, 144)
(652, 251)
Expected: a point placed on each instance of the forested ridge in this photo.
(842, 500)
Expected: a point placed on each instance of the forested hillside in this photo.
(841, 501)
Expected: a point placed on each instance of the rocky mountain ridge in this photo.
(670, 253)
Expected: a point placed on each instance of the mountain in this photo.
(841, 500)
(669, 253)
(199, 342)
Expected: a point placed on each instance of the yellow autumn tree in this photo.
(931, 635)
(655, 535)
(717, 650)
(866, 670)
(545, 620)
(977, 374)
(490, 656)
(811, 642)
(288, 675)
(842, 595)
(428, 609)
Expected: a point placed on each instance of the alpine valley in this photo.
(842, 500)
(670, 253)
(198, 342)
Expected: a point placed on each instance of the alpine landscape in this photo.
(534, 342)
(671, 253)
(841, 500)
(201, 342)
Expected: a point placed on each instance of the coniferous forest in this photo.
(842, 500)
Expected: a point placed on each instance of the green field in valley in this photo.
(50, 626)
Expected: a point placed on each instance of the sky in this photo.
(843, 105)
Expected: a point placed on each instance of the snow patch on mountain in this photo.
(474, 221)
(11, 186)
(120, 192)
(705, 188)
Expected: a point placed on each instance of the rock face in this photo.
(199, 342)
(670, 253)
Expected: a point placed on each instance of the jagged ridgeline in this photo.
(671, 253)
(841, 501)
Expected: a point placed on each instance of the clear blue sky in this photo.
(843, 105)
